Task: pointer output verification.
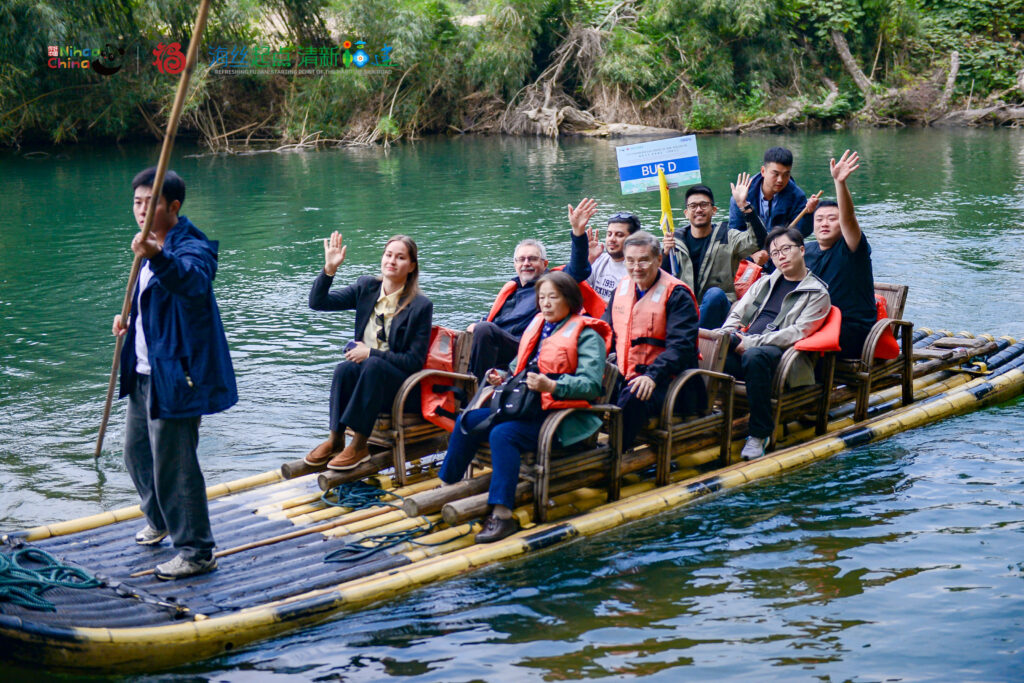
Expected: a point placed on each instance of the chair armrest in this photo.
(548, 430)
(413, 381)
(867, 355)
(676, 387)
(786, 363)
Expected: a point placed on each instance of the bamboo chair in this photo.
(795, 402)
(670, 431)
(551, 462)
(871, 373)
(407, 434)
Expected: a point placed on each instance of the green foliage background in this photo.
(460, 64)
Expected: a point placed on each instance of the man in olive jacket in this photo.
(774, 314)
(707, 256)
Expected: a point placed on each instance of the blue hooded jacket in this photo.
(785, 206)
(191, 367)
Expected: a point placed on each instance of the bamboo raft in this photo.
(274, 579)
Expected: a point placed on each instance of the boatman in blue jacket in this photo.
(175, 367)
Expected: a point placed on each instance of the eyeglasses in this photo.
(782, 251)
(641, 262)
(527, 259)
(698, 205)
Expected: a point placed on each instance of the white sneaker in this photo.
(180, 567)
(754, 448)
(149, 536)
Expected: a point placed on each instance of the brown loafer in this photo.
(320, 455)
(496, 529)
(348, 459)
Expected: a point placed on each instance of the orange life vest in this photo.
(593, 304)
(826, 337)
(747, 274)
(559, 354)
(640, 326)
(887, 347)
(439, 399)
(503, 294)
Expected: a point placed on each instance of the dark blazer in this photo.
(409, 337)
(191, 367)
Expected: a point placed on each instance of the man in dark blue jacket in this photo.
(175, 367)
(496, 336)
(774, 196)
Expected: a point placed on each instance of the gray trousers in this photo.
(162, 462)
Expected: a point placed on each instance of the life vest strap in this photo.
(650, 341)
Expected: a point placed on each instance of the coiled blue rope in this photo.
(359, 495)
(25, 587)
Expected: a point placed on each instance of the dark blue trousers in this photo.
(508, 440)
(714, 308)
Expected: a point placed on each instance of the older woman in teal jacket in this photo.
(563, 354)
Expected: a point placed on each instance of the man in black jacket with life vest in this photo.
(496, 336)
(654, 318)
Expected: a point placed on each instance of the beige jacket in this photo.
(803, 311)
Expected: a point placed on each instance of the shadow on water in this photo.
(897, 561)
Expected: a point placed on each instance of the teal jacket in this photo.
(584, 384)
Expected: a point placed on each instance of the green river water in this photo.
(899, 561)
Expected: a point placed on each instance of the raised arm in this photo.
(841, 170)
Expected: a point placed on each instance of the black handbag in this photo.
(511, 400)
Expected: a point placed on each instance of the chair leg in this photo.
(908, 366)
(664, 458)
(860, 411)
(398, 458)
(725, 447)
(615, 445)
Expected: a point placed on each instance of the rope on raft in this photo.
(359, 495)
(25, 587)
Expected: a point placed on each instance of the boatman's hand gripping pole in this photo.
(667, 228)
(158, 184)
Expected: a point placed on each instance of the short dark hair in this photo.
(643, 239)
(565, 285)
(173, 189)
(779, 155)
(700, 189)
(626, 217)
(826, 202)
(784, 231)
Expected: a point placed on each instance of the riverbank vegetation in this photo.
(544, 67)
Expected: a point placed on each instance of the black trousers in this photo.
(636, 413)
(756, 367)
(359, 391)
(493, 347)
(851, 340)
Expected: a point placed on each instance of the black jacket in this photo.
(409, 336)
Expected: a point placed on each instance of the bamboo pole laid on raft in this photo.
(431, 501)
(158, 184)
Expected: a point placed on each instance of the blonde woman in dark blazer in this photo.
(392, 333)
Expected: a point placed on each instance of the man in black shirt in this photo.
(842, 258)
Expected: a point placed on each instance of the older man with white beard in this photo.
(496, 336)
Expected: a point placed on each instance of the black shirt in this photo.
(697, 246)
(848, 274)
(773, 305)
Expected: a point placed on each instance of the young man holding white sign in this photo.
(707, 256)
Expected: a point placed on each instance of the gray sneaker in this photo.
(754, 448)
(150, 536)
(180, 567)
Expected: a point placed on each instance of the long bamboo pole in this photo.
(158, 183)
